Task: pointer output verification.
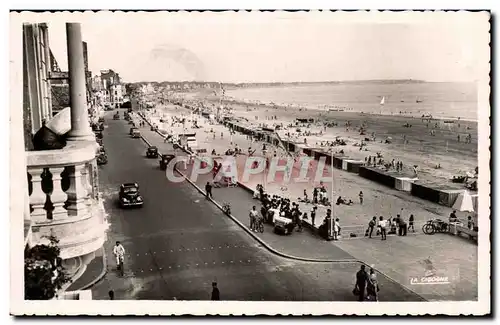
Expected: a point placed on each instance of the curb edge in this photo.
(100, 276)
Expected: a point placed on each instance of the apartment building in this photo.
(61, 189)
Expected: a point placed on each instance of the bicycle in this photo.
(120, 265)
(226, 207)
(260, 225)
(434, 226)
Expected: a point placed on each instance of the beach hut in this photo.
(404, 183)
(464, 202)
(351, 165)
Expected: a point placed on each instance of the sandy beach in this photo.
(421, 148)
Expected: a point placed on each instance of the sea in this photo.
(444, 100)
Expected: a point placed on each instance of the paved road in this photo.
(178, 243)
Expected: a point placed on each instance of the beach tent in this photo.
(475, 198)
(464, 202)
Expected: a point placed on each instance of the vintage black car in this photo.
(152, 152)
(101, 119)
(165, 159)
(102, 159)
(129, 110)
(129, 195)
(98, 134)
(97, 127)
(126, 105)
(116, 116)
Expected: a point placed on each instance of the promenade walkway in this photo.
(402, 258)
(378, 199)
(299, 244)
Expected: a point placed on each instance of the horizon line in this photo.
(296, 82)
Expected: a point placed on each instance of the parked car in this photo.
(136, 133)
(152, 152)
(96, 127)
(102, 159)
(116, 116)
(101, 119)
(126, 105)
(283, 225)
(132, 129)
(129, 195)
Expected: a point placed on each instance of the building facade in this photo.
(62, 193)
(112, 89)
(36, 69)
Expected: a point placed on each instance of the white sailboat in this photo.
(382, 102)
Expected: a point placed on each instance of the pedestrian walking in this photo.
(360, 197)
(383, 228)
(371, 226)
(336, 229)
(208, 189)
(313, 215)
(402, 226)
(299, 221)
(372, 287)
(215, 291)
(360, 286)
(253, 217)
(411, 222)
(111, 295)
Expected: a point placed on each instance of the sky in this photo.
(280, 47)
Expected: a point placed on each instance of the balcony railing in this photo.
(64, 198)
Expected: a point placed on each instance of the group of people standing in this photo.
(275, 204)
(395, 225)
(282, 206)
(366, 287)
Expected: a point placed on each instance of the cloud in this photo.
(162, 54)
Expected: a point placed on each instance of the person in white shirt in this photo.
(336, 229)
(119, 252)
(372, 287)
(253, 218)
(383, 225)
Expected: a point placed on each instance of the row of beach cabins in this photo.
(444, 194)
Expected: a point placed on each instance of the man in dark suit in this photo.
(215, 291)
(361, 280)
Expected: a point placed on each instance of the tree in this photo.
(44, 274)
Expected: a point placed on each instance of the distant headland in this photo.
(214, 85)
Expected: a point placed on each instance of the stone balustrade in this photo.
(64, 198)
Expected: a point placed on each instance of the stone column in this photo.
(58, 197)
(80, 128)
(38, 197)
(78, 194)
(48, 64)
